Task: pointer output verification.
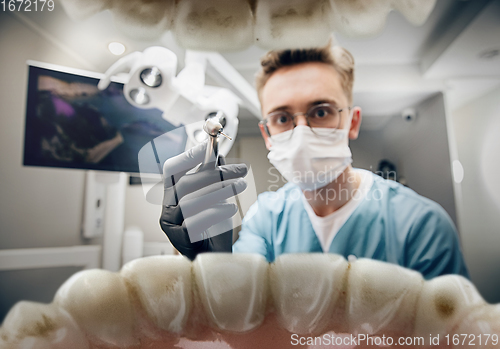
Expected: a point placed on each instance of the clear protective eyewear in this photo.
(324, 115)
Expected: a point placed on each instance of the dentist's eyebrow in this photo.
(325, 100)
(280, 108)
(311, 104)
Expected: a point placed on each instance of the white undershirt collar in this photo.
(326, 228)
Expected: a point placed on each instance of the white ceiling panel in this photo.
(463, 57)
(384, 104)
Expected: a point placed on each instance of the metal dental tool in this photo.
(214, 125)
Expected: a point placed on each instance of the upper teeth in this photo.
(237, 24)
(309, 294)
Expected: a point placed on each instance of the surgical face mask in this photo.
(310, 159)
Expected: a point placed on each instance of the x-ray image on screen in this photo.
(70, 123)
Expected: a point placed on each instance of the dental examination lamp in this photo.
(152, 83)
(150, 80)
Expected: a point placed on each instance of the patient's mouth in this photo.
(238, 300)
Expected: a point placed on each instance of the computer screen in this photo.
(70, 123)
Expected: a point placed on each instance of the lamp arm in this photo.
(219, 69)
(121, 65)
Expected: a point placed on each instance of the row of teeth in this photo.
(237, 24)
(162, 298)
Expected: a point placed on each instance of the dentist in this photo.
(326, 206)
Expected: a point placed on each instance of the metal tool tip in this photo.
(225, 135)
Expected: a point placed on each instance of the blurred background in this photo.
(430, 97)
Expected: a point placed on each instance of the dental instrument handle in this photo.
(212, 151)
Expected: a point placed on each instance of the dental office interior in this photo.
(427, 77)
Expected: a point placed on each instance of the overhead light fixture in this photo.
(151, 77)
(116, 48)
(139, 96)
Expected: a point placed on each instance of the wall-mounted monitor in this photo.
(70, 123)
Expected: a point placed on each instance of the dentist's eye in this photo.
(280, 119)
(322, 112)
(283, 119)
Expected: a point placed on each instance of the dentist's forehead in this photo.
(300, 85)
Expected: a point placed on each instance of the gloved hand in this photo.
(194, 202)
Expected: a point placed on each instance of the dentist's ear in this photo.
(265, 136)
(355, 123)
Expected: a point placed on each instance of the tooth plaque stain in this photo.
(321, 7)
(146, 12)
(131, 291)
(277, 20)
(4, 337)
(296, 293)
(253, 5)
(293, 13)
(210, 16)
(357, 6)
(173, 285)
(40, 329)
(345, 280)
(445, 306)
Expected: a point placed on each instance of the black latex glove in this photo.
(194, 202)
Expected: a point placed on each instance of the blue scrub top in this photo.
(392, 224)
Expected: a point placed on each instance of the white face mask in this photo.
(310, 160)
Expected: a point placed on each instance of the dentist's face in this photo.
(297, 88)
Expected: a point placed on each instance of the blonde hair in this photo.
(335, 56)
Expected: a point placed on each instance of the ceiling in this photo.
(397, 68)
